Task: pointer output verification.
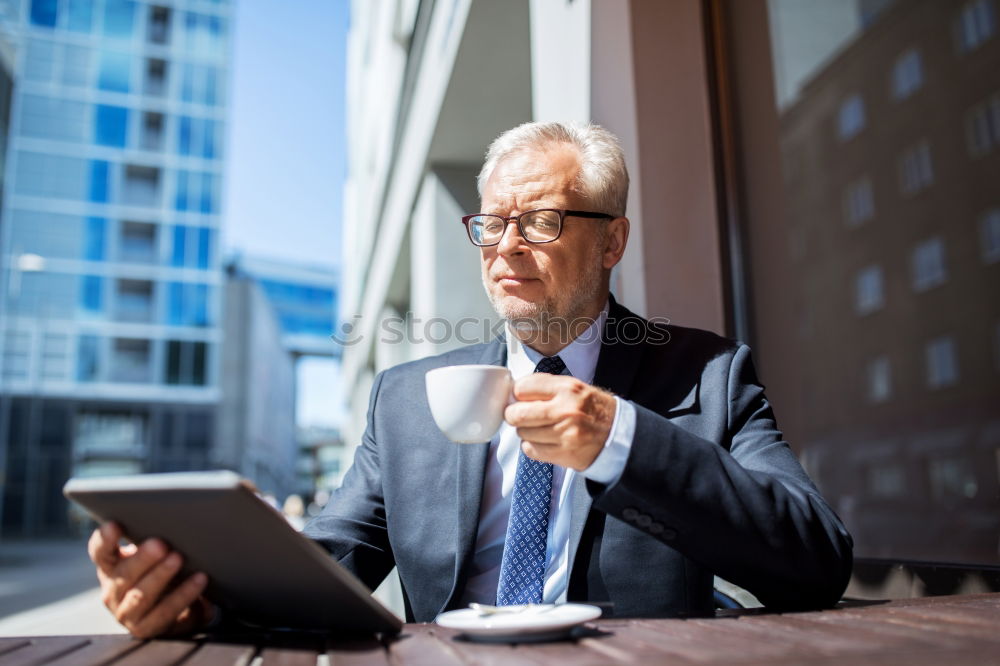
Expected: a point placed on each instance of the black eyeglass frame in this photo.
(563, 214)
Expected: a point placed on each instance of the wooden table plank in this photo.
(356, 652)
(43, 650)
(424, 645)
(101, 650)
(158, 653)
(9, 644)
(222, 654)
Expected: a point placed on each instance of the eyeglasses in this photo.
(536, 226)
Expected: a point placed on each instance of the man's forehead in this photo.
(533, 176)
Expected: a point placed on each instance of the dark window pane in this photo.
(198, 363)
(87, 358)
(174, 362)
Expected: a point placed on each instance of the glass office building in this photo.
(111, 280)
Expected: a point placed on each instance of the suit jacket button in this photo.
(656, 529)
(644, 521)
(669, 534)
(630, 514)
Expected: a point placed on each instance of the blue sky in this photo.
(286, 152)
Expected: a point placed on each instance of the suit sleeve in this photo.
(352, 526)
(744, 508)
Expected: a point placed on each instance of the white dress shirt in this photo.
(580, 357)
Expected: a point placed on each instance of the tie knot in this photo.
(552, 365)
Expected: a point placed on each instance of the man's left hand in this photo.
(560, 419)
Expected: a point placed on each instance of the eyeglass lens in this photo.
(537, 226)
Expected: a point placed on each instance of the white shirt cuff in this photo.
(610, 462)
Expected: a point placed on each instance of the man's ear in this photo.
(614, 246)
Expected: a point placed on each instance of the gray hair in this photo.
(603, 178)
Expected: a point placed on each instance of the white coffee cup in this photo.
(467, 401)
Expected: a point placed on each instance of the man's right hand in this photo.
(139, 588)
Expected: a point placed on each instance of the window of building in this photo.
(868, 290)
(197, 137)
(119, 17)
(115, 71)
(99, 181)
(92, 294)
(942, 362)
(879, 379)
(859, 202)
(138, 243)
(186, 362)
(81, 15)
(197, 192)
(141, 186)
(203, 33)
(928, 265)
(155, 83)
(990, 233)
(152, 131)
(134, 301)
(44, 13)
(952, 479)
(982, 126)
(976, 23)
(915, 169)
(94, 239)
(187, 304)
(16, 352)
(907, 74)
(199, 84)
(887, 480)
(851, 118)
(192, 247)
(52, 118)
(110, 125)
(54, 357)
(130, 361)
(87, 358)
(159, 25)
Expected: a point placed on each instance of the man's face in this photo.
(531, 282)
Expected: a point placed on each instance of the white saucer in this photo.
(537, 623)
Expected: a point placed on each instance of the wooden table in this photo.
(937, 630)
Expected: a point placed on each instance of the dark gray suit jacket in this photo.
(709, 488)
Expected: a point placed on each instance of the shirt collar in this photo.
(580, 356)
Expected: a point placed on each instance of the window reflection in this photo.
(877, 320)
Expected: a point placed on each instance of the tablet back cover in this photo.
(259, 567)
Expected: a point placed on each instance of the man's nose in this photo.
(511, 241)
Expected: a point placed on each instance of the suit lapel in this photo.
(472, 460)
(619, 361)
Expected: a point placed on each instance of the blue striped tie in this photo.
(522, 568)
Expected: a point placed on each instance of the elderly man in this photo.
(637, 461)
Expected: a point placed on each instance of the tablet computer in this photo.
(259, 567)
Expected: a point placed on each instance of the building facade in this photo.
(109, 253)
